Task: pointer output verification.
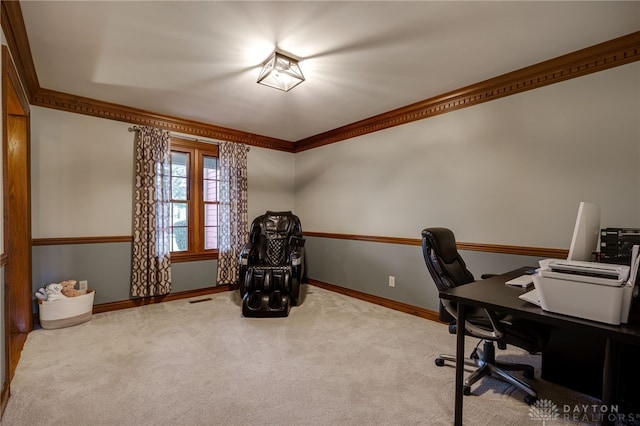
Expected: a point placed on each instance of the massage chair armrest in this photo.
(296, 250)
(297, 262)
(246, 257)
(296, 257)
(247, 254)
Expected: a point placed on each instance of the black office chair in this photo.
(272, 265)
(447, 268)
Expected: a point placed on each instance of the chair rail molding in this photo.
(55, 241)
(489, 248)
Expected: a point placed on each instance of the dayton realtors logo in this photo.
(545, 410)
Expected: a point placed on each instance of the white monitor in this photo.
(585, 232)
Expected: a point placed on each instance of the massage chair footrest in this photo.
(260, 305)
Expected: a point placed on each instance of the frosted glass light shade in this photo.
(281, 72)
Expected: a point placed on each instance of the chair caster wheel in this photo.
(530, 400)
(528, 374)
(466, 390)
(439, 362)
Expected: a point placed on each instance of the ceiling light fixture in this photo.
(281, 72)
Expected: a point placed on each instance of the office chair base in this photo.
(486, 365)
(442, 358)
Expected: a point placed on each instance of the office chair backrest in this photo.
(446, 266)
(449, 270)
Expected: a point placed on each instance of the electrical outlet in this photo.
(392, 281)
(83, 285)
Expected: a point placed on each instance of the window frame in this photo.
(195, 201)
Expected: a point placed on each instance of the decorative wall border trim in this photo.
(387, 303)
(370, 238)
(81, 240)
(18, 42)
(490, 248)
(517, 250)
(87, 106)
(177, 257)
(612, 53)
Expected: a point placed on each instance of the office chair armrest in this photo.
(482, 333)
(498, 330)
(485, 276)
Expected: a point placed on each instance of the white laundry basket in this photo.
(66, 312)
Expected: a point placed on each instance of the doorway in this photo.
(16, 259)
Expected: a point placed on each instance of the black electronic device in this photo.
(616, 244)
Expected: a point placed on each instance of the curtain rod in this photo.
(174, 135)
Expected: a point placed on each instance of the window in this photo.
(194, 200)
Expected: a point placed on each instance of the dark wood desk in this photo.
(493, 294)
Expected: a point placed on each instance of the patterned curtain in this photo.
(151, 269)
(234, 229)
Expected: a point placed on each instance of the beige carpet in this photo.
(334, 361)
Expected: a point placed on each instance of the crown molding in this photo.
(16, 34)
(87, 106)
(612, 53)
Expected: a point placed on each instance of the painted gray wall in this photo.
(107, 267)
(511, 171)
(82, 186)
(366, 267)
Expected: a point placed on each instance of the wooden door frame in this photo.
(17, 295)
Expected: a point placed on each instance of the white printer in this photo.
(594, 291)
(592, 272)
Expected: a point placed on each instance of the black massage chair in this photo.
(272, 265)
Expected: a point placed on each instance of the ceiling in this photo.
(200, 60)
